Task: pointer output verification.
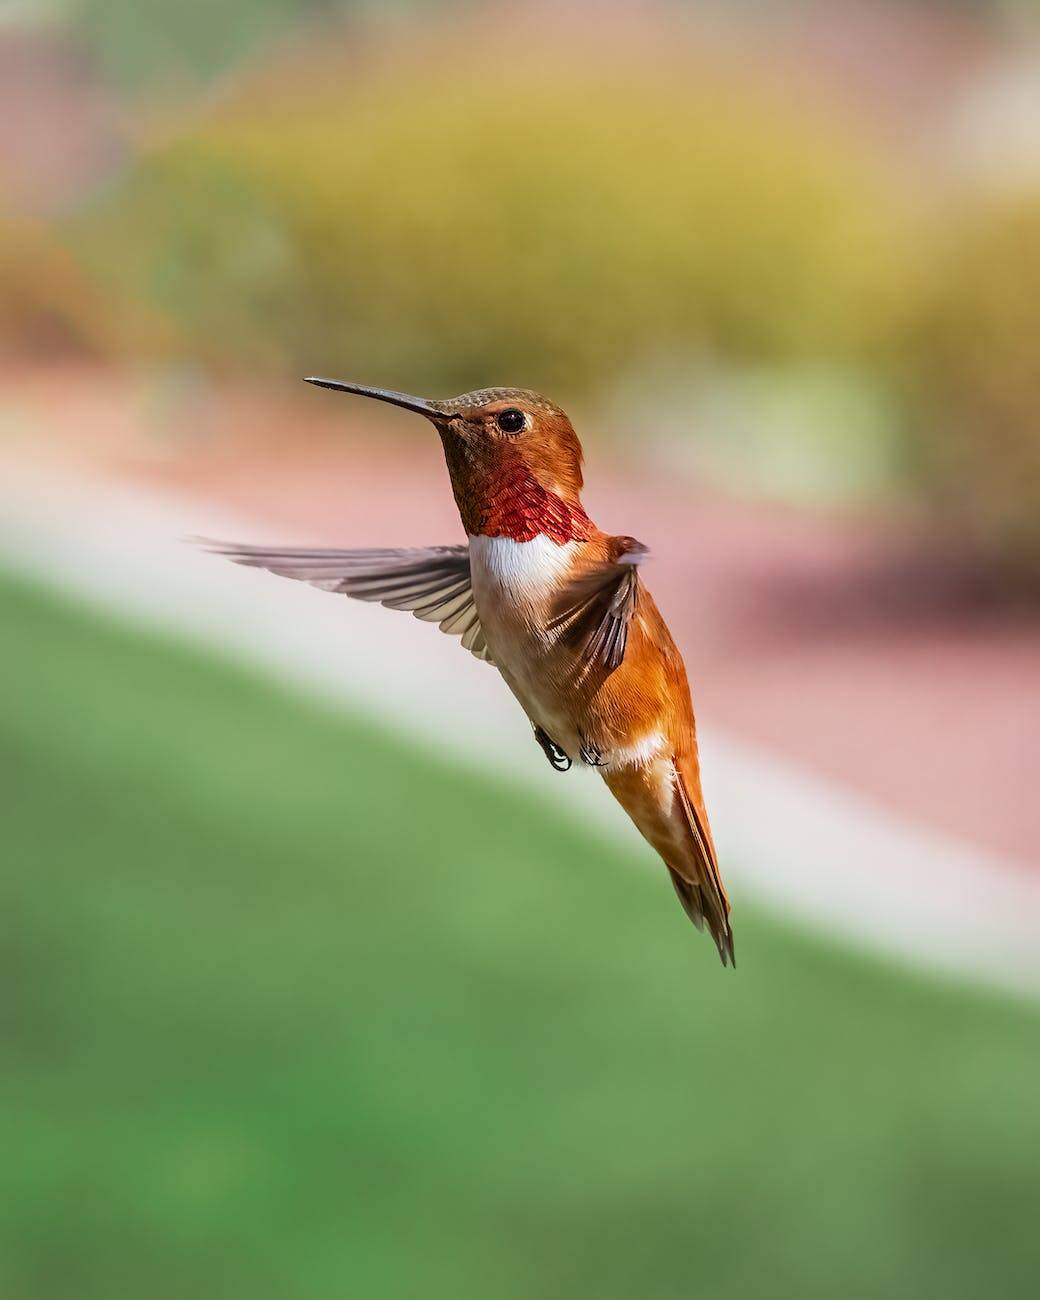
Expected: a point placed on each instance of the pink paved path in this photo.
(820, 640)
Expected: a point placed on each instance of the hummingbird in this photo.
(558, 606)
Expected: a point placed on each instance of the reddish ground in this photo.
(826, 641)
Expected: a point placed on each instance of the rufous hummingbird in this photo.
(558, 607)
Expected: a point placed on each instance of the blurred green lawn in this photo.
(289, 1010)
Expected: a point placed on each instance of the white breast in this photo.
(527, 572)
(514, 585)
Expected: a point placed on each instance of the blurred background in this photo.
(302, 999)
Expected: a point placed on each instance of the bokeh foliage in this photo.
(154, 48)
(451, 206)
(48, 304)
(975, 367)
(550, 225)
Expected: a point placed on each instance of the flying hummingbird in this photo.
(558, 607)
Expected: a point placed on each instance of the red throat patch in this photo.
(519, 507)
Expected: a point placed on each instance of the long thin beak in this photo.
(432, 410)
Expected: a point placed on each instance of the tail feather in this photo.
(698, 882)
(700, 910)
(663, 798)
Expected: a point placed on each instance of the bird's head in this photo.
(513, 457)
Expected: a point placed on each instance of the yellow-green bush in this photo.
(549, 221)
(975, 369)
(462, 214)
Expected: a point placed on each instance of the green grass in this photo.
(290, 1011)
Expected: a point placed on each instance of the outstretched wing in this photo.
(433, 582)
(596, 609)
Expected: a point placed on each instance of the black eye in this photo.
(510, 421)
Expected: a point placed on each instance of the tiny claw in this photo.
(558, 758)
(592, 756)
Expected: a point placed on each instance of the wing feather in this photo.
(432, 582)
(596, 609)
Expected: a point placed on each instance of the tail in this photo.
(663, 798)
(696, 876)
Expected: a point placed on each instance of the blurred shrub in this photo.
(975, 371)
(544, 221)
(47, 305)
(156, 47)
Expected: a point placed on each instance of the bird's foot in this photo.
(592, 756)
(558, 758)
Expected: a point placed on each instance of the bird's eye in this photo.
(510, 421)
